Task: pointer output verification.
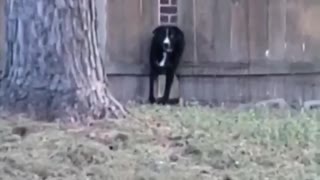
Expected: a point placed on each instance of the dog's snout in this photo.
(166, 40)
(166, 45)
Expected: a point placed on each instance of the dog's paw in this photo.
(162, 101)
(152, 100)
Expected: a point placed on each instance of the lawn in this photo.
(166, 143)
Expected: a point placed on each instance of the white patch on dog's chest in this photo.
(163, 61)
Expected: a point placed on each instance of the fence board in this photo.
(311, 30)
(313, 88)
(129, 24)
(222, 19)
(216, 91)
(294, 36)
(267, 87)
(239, 31)
(186, 22)
(205, 30)
(277, 29)
(150, 21)
(258, 31)
(2, 37)
(231, 47)
(224, 69)
(296, 87)
(115, 29)
(126, 88)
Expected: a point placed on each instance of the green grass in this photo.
(178, 143)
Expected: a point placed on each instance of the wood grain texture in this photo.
(2, 38)
(187, 23)
(245, 50)
(225, 69)
(239, 32)
(124, 30)
(222, 25)
(277, 29)
(232, 90)
(294, 32)
(311, 30)
(205, 30)
(258, 29)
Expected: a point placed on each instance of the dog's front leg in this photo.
(169, 80)
(152, 78)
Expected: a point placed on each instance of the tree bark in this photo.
(55, 71)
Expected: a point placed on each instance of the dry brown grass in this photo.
(169, 143)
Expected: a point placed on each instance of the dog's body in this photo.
(167, 46)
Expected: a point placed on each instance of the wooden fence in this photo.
(2, 36)
(237, 51)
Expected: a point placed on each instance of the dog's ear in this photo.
(157, 30)
(178, 33)
(177, 30)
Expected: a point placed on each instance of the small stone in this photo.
(227, 177)
(236, 136)
(215, 153)
(121, 137)
(305, 161)
(273, 103)
(317, 158)
(21, 131)
(176, 144)
(192, 150)
(204, 171)
(312, 104)
(174, 158)
(265, 162)
(175, 138)
(92, 135)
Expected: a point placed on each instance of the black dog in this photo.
(167, 46)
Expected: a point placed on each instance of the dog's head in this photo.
(168, 37)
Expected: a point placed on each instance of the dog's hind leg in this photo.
(152, 78)
(167, 89)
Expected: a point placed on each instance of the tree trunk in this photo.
(54, 67)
